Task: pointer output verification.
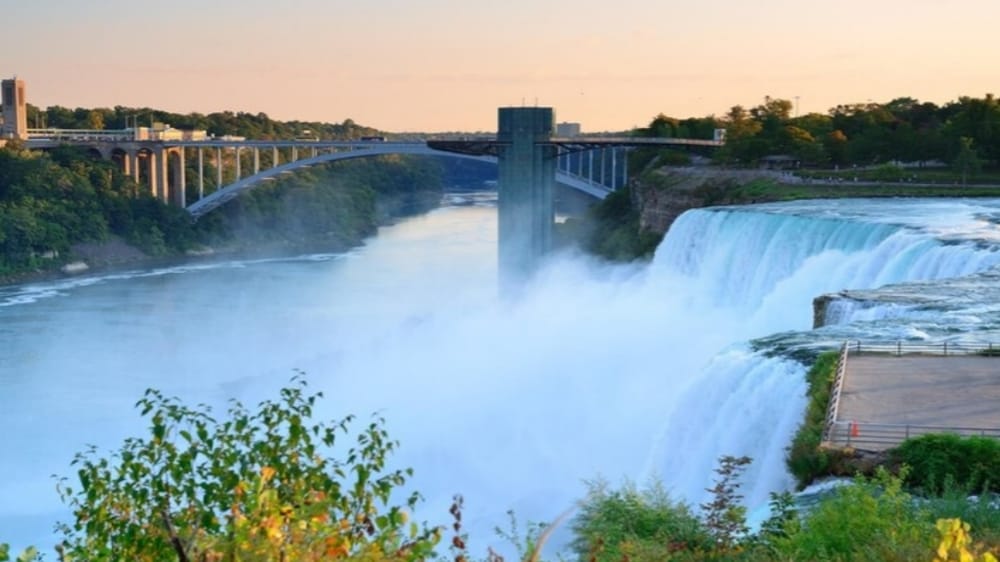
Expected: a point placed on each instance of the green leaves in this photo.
(30, 554)
(256, 485)
(613, 525)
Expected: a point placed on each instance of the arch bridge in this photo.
(530, 158)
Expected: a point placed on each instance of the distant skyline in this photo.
(440, 65)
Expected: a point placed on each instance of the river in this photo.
(595, 371)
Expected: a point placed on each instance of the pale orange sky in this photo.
(438, 65)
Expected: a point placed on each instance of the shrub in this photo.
(256, 486)
(867, 520)
(613, 525)
(956, 540)
(982, 512)
(935, 460)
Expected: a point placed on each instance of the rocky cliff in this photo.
(662, 195)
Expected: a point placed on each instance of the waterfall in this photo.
(764, 268)
(595, 371)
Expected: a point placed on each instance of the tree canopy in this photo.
(904, 129)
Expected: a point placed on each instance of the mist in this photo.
(595, 371)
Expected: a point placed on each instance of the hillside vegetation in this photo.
(52, 203)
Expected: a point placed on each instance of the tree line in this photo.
(244, 124)
(857, 134)
(50, 201)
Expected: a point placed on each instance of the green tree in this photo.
(257, 485)
(741, 137)
(724, 517)
(95, 119)
(967, 160)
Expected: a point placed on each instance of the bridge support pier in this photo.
(160, 180)
(133, 157)
(218, 168)
(201, 173)
(527, 166)
(178, 190)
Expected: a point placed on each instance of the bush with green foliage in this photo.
(864, 521)
(980, 510)
(634, 524)
(256, 485)
(940, 461)
(614, 231)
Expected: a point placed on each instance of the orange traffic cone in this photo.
(854, 429)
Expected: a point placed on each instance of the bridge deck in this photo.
(885, 399)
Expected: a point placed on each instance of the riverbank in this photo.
(117, 254)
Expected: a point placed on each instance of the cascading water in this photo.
(596, 371)
(766, 265)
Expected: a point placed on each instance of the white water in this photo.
(596, 371)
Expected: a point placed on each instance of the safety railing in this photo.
(901, 348)
(881, 436)
(834, 405)
(81, 134)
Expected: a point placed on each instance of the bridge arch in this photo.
(233, 190)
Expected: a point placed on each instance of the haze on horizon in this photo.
(446, 65)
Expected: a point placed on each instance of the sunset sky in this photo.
(440, 65)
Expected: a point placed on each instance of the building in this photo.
(15, 109)
(164, 132)
(567, 129)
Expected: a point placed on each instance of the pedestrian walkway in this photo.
(885, 398)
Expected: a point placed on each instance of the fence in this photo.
(916, 348)
(881, 436)
(834, 406)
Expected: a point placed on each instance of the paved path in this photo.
(950, 392)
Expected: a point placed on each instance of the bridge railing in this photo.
(81, 134)
(901, 348)
(881, 436)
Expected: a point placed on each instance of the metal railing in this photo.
(881, 436)
(838, 383)
(81, 134)
(901, 348)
